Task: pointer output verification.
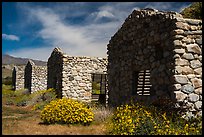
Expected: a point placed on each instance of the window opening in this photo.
(141, 83)
(98, 83)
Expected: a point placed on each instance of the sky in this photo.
(33, 29)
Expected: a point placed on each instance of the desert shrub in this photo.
(7, 92)
(23, 97)
(22, 100)
(7, 80)
(41, 98)
(101, 113)
(66, 111)
(136, 119)
(10, 101)
(12, 97)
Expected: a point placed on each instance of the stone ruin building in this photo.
(157, 55)
(72, 77)
(18, 77)
(31, 77)
(35, 77)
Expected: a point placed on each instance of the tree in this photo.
(194, 11)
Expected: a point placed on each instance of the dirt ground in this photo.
(24, 121)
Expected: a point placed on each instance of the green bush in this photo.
(136, 119)
(194, 11)
(66, 111)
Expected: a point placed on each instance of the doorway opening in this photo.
(99, 82)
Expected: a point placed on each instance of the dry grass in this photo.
(102, 114)
(19, 120)
(24, 121)
(6, 72)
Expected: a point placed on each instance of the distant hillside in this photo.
(7, 60)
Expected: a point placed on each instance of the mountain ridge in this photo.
(8, 60)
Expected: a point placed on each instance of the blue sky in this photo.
(34, 29)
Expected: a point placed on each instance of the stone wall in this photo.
(35, 77)
(54, 71)
(18, 77)
(168, 47)
(71, 76)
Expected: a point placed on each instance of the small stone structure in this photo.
(35, 77)
(72, 76)
(157, 55)
(18, 77)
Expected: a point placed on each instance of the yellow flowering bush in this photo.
(131, 120)
(167, 125)
(66, 111)
(137, 119)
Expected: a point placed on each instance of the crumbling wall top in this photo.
(30, 62)
(149, 12)
(57, 51)
(19, 68)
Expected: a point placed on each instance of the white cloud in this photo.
(10, 37)
(89, 40)
(104, 13)
(72, 39)
(135, 8)
(158, 5)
